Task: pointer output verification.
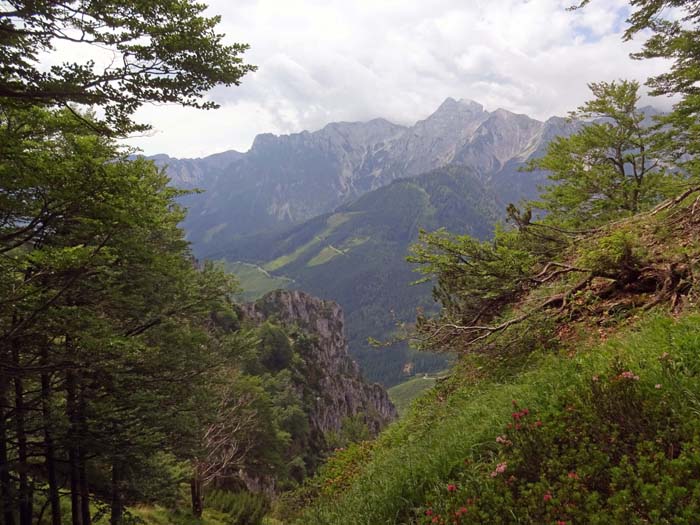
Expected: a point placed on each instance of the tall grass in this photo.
(421, 451)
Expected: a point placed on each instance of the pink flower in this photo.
(451, 487)
(657, 386)
(572, 475)
(503, 440)
(560, 522)
(628, 375)
(500, 469)
(429, 512)
(547, 496)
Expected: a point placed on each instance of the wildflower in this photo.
(462, 510)
(503, 440)
(538, 423)
(436, 519)
(451, 487)
(572, 475)
(429, 512)
(560, 522)
(547, 496)
(525, 411)
(657, 386)
(628, 375)
(500, 469)
(595, 378)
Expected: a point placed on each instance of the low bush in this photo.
(604, 435)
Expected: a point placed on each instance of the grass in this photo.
(156, 515)
(403, 394)
(255, 281)
(327, 254)
(332, 223)
(460, 420)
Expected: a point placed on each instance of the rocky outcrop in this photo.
(333, 379)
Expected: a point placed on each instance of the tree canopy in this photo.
(145, 51)
(612, 167)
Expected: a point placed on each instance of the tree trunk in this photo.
(49, 451)
(6, 492)
(196, 492)
(73, 453)
(25, 496)
(117, 500)
(84, 489)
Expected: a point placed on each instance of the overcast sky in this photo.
(329, 60)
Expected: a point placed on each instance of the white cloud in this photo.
(328, 60)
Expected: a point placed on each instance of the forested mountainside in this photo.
(285, 180)
(357, 256)
(354, 253)
(310, 397)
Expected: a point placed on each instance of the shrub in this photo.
(244, 508)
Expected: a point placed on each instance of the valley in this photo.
(374, 186)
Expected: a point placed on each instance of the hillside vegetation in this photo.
(356, 256)
(588, 420)
(575, 396)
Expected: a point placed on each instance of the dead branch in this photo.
(673, 202)
(563, 269)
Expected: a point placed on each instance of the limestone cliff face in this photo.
(332, 376)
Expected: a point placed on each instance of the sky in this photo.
(322, 61)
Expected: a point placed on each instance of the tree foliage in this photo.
(145, 51)
(611, 168)
(615, 166)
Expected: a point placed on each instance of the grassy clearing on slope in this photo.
(254, 281)
(326, 254)
(332, 223)
(403, 394)
(459, 422)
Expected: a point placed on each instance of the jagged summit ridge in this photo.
(284, 180)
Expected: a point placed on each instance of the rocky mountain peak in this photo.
(455, 114)
(362, 134)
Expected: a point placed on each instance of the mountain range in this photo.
(334, 211)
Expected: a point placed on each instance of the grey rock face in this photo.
(340, 391)
(284, 180)
(194, 173)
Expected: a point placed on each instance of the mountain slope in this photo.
(584, 412)
(356, 256)
(285, 180)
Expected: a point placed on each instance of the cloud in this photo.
(330, 60)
